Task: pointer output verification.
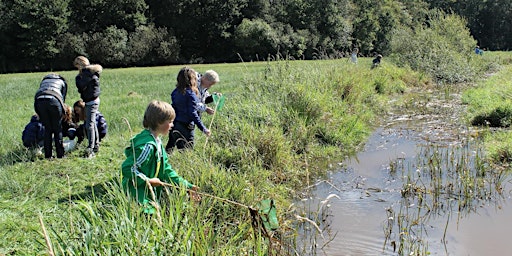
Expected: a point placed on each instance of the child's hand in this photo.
(155, 182)
(207, 132)
(210, 111)
(195, 196)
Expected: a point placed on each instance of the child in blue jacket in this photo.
(33, 134)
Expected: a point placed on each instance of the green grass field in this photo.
(283, 123)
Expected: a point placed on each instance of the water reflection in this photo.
(419, 186)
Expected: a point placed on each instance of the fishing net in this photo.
(218, 101)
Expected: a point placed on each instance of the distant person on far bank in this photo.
(376, 61)
(88, 85)
(353, 55)
(478, 50)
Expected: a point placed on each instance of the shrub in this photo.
(441, 48)
(108, 47)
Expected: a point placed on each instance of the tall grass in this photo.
(490, 105)
(282, 124)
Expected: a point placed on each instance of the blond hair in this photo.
(80, 62)
(157, 113)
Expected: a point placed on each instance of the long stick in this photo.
(211, 122)
(212, 196)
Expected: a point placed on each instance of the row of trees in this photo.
(44, 35)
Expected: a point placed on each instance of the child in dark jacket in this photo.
(376, 61)
(88, 85)
(185, 101)
(33, 134)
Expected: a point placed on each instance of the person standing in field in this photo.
(49, 106)
(88, 85)
(185, 101)
(353, 55)
(146, 166)
(204, 82)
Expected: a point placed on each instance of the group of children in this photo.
(72, 127)
(57, 120)
(146, 169)
(375, 61)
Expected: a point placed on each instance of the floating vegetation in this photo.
(444, 180)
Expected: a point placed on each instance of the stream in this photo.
(365, 207)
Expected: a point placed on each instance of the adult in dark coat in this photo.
(49, 106)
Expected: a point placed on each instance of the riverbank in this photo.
(283, 125)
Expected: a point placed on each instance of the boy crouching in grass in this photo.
(146, 165)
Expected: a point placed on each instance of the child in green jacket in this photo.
(146, 159)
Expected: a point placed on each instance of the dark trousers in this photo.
(180, 136)
(50, 113)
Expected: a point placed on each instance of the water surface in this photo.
(368, 187)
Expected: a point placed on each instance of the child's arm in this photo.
(81, 82)
(192, 109)
(139, 170)
(170, 175)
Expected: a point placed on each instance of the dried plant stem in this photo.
(46, 237)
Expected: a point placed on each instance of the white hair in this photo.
(211, 76)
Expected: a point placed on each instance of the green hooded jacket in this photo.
(144, 149)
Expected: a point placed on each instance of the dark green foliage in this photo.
(108, 46)
(47, 35)
(489, 21)
(92, 16)
(30, 32)
(255, 39)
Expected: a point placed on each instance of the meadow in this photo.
(284, 124)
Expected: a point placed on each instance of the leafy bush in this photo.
(255, 37)
(148, 45)
(108, 46)
(441, 48)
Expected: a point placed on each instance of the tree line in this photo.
(47, 35)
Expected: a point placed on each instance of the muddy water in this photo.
(366, 190)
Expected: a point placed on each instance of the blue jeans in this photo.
(91, 109)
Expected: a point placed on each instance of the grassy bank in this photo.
(283, 123)
(490, 107)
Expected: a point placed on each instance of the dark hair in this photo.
(187, 78)
(80, 104)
